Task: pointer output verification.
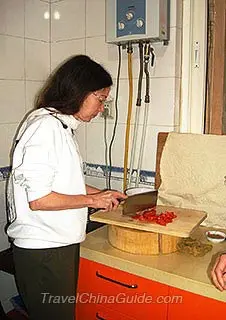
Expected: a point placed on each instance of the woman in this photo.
(49, 198)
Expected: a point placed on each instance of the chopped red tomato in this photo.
(150, 215)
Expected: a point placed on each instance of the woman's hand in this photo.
(107, 200)
(219, 272)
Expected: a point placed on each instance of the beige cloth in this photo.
(193, 173)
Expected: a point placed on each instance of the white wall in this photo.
(24, 64)
(26, 56)
(30, 45)
(81, 29)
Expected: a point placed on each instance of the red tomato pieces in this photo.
(150, 215)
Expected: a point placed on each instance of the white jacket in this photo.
(47, 159)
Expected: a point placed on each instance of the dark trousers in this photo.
(47, 281)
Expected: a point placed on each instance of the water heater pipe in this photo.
(137, 116)
(147, 53)
(129, 113)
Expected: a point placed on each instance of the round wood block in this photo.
(141, 242)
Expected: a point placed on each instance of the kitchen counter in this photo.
(175, 269)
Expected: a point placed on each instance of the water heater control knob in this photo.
(139, 23)
(121, 25)
(129, 15)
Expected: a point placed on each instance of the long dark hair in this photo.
(67, 88)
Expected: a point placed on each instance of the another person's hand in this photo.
(107, 200)
(218, 272)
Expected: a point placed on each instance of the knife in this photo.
(139, 202)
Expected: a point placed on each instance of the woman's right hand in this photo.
(107, 200)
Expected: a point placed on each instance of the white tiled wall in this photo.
(31, 46)
(24, 64)
(8, 283)
(83, 31)
(71, 22)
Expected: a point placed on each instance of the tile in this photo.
(8, 283)
(37, 60)
(161, 110)
(117, 185)
(162, 105)
(149, 147)
(12, 100)
(2, 203)
(167, 58)
(68, 20)
(95, 137)
(95, 143)
(95, 18)
(7, 305)
(4, 243)
(96, 182)
(11, 68)
(100, 182)
(149, 156)
(176, 10)
(12, 17)
(32, 88)
(118, 146)
(65, 49)
(7, 133)
(37, 13)
(80, 136)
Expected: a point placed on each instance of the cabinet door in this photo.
(193, 306)
(98, 312)
(123, 292)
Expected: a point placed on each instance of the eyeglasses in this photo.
(101, 99)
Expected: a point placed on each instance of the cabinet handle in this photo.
(130, 286)
(98, 317)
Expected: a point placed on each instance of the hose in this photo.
(129, 113)
(141, 53)
(116, 115)
(147, 52)
(137, 116)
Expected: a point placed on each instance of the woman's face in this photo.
(92, 105)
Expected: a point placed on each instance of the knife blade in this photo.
(139, 202)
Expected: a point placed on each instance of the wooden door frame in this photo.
(215, 67)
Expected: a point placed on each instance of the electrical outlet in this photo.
(108, 110)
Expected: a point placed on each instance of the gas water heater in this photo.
(136, 20)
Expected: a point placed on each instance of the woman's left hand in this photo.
(219, 273)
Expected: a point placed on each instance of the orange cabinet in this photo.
(98, 312)
(120, 292)
(107, 293)
(189, 306)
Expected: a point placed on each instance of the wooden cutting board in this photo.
(182, 226)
